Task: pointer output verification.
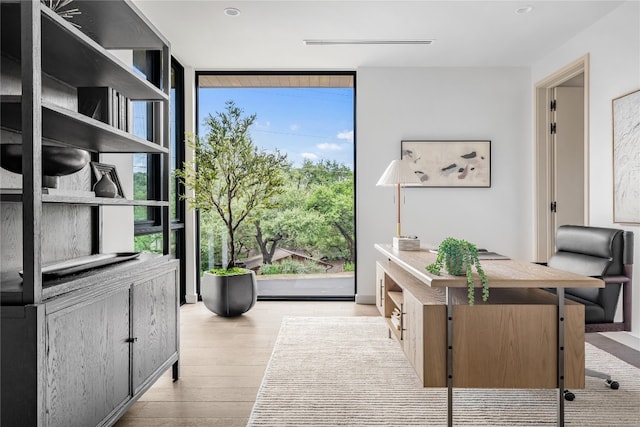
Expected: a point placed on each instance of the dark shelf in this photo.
(75, 129)
(73, 57)
(117, 25)
(15, 196)
(99, 201)
(11, 284)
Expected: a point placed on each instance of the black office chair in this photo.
(606, 253)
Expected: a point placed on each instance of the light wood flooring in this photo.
(222, 362)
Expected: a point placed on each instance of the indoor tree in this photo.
(230, 176)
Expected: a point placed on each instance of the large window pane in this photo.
(312, 226)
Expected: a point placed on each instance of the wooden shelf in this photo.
(73, 57)
(393, 329)
(15, 196)
(100, 201)
(75, 129)
(119, 26)
(397, 298)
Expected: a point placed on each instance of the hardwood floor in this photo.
(222, 362)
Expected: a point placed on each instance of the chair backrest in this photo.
(592, 251)
(598, 252)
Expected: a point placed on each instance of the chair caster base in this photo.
(613, 385)
(568, 395)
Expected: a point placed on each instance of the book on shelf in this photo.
(396, 322)
(97, 103)
(106, 105)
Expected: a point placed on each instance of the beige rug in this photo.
(344, 371)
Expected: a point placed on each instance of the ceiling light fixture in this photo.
(524, 9)
(321, 42)
(231, 11)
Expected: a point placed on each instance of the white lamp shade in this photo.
(398, 172)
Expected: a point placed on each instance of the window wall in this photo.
(303, 246)
(146, 167)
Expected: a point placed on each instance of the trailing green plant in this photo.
(459, 257)
(229, 176)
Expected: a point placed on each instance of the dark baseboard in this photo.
(619, 350)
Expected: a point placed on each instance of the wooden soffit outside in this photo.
(274, 80)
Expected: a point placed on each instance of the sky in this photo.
(305, 123)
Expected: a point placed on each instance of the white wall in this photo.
(613, 45)
(444, 103)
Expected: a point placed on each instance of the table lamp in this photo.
(398, 174)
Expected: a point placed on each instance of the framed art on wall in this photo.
(449, 163)
(626, 158)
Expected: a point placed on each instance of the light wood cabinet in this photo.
(492, 340)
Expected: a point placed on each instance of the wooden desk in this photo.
(522, 337)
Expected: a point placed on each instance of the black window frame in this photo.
(353, 74)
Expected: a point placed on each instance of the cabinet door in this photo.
(154, 324)
(413, 344)
(87, 360)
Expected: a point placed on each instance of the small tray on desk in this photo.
(77, 265)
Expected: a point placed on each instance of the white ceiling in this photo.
(268, 35)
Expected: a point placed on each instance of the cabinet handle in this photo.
(133, 339)
(402, 328)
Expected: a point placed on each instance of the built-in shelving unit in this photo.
(71, 56)
(119, 322)
(76, 130)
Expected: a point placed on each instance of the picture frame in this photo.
(100, 169)
(449, 163)
(626, 158)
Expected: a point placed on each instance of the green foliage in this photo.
(230, 177)
(292, 267)
(233, 271)
(334, 203)
(459, 257)
(323, 172)
(151, 243)
(349, 266)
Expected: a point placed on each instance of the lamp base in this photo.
(406, 244)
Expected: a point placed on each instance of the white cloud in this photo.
(328, 146)
(294, 127)
(309, 156)
(263, 125)
(347, 134)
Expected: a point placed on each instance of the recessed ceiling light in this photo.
(524, 9)
(231, 11)
(321, 42)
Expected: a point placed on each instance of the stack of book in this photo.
(396, 318)
(105, 104)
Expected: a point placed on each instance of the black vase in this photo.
(105, 187)
(56, 161)
(231, 295)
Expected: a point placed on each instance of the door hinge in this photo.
(552, 106)
(553, 128)
(553, 207)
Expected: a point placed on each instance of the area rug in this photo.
(345, 371)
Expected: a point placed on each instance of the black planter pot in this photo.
(229, 295)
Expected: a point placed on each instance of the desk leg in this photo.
(449, 358)
(560, 293)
